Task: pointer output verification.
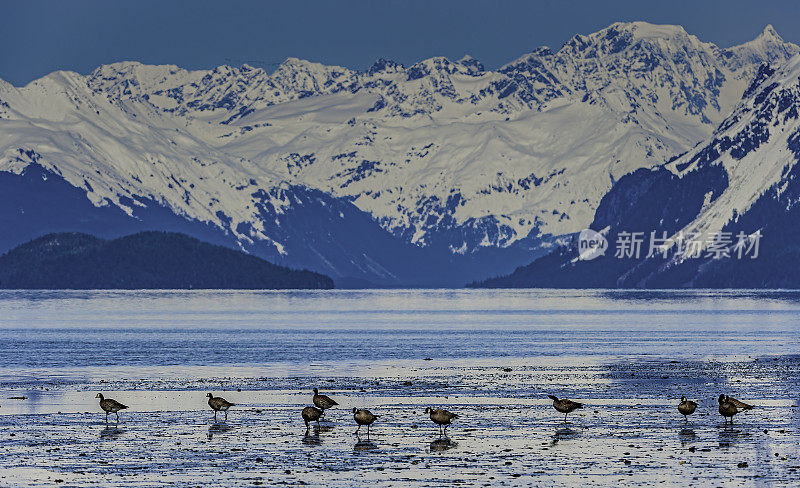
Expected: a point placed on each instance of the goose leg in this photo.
(215, 415)
(226, 415)
(359, 428)
(117, 413)
(565, 417)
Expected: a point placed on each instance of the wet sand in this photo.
(629, 433)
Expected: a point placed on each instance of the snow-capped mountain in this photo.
(441, 154)
(742, 181)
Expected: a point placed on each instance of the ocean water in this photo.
(144, 328)
(490, 355)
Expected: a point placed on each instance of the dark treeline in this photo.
(147, 260)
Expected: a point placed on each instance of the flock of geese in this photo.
(728, 407)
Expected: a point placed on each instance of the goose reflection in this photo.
(687, 436)
(312, 439)
(364, 445)
(442, 444)
(729, 435)
(111, 432)
(218, 428)
(565, 433)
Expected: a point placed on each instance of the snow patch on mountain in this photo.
(756, 145)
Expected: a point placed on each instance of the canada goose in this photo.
(219, 403)
(311, 414)
(727, 408)
(686, 407)
(110, 406)
(323, 402)
(363, 417)
(564, 406)
(739, 405)
(441, 417)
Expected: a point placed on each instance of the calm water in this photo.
(75, 329)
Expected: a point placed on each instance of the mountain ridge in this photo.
(739, 186)
(439, 154)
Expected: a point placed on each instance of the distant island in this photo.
(146, 260)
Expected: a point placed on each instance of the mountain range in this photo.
(433, 174)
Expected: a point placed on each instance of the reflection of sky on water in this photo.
(148, 329)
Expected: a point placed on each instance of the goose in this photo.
(311, 414)
(686, 407)
(727, 408)
(441, 417)
(323, 402)
(564, 405)
(363, 417)
(217, 404)
(110, 406)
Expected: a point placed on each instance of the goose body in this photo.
(686, 407)
(323, 402)
(363, 417)
(564, 405)
(727, 408)
(110, 406)
(311, 414)
(441, 417)
(739, 404)
(218, 404)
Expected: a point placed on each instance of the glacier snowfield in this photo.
(491, 356)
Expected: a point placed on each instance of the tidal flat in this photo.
(489, 356)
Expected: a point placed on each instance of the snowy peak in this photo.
(620, 36)
(768, 47)
(386, 66)
(473, 65)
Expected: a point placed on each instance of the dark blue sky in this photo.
(38, 37)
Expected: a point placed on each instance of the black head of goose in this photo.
(110, 406)
(727, 408)
(363, 417)
(686, 407)
(441, 417)
(323, 402)
(218, 404)
(564, 405)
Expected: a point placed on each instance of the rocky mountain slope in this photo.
(726, 211)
